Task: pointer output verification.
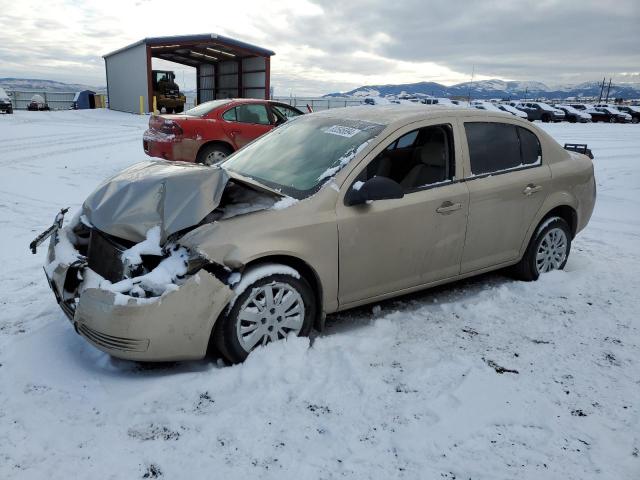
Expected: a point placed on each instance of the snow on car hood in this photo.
(173, 196)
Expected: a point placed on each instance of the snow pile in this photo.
(149, 246)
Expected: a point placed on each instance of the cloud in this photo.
(331, 45)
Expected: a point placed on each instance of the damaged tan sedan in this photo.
(330, 211)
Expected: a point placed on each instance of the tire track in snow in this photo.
(54, 153)
(65, 141)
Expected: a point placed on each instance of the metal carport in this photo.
(225, 68)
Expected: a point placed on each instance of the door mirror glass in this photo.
(376, 188)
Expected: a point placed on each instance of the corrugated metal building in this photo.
(225, 68)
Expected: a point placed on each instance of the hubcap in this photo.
(215, 157)
(552, 251)
(270, 313)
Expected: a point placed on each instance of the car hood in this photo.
(171, 195)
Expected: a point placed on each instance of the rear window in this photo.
(205, 108)
(496, 147)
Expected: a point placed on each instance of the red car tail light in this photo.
(166, 126)
(171, 128)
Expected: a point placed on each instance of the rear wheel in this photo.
(213, 154)
(546, 118)
(548, 250)
(612, 120)
(635, 120)
(179, 109)
(266, 311)
(572, 119)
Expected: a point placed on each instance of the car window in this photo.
(418, 159)
(230, 115)
(252, 113)
(285, 110)
(495, 147)
(407, 140)
(205, 108)
(302, 155)
(530, 150)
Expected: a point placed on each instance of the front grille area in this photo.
(111, 342)
(105, 257)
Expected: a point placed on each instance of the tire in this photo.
(213, 154)
(168, 110)
(572, 119)
(179, 109)
(612, 120)
(235, 346)
(635, 120)
(546, 118)
(552, 240)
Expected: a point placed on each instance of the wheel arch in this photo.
(306, 271)
(563, 209)
(215, 142)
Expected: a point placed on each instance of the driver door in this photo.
(387, 246)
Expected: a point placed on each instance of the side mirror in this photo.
(376, 188)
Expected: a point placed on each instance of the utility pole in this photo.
(526, 89)
(608, 88)
(601, 90)
(473, 71)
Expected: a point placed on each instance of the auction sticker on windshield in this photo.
(342, 130)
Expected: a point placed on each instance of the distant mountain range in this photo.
(45, 85)
(486, 89)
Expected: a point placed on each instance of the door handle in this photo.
(531, 189)
(448, 207)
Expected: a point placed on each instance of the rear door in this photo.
(508, 182)
(244, 123)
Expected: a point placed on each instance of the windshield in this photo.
(301, 155)
(568, 109)
(205, 108)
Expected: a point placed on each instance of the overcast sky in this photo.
(336, 45)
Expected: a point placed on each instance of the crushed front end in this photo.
(137, 301)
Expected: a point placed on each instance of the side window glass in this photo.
(530, 149)
(230, 115)
(418, 159)
(252, 113)
(493, 147)
(407, 140)
(285, 111)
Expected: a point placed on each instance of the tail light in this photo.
(164, 125)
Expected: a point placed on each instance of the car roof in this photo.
(404, 114)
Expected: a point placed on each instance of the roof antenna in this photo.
(473, 70)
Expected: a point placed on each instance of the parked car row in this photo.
(574, 112)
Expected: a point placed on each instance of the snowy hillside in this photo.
(488, 379)
(43, 85)
(485, 89)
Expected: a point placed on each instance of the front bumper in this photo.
(174, 326)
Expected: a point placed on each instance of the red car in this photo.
(213, 130)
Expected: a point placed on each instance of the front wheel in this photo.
(612, 120)
(267, 310)
(548, 250)
(635, 120)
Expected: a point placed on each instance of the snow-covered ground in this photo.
(410, 388)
